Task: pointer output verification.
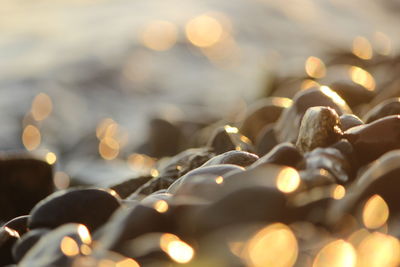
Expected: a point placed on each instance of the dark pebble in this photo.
(267, 205)
(352, 93)
(91, 207)
(348, 121)
(228, 138)
(383, 109)
(161, 130)
(8, 237)
(19, 224)
(372, 140)
(184, 162)
(24, 181)
(282, 154)
(380, 178)
(26, 242)
(240, 158)
(203, 174)
(261, 113)
(126, 188)
(48, 250)
(129, 223)
(266, 140)
(331, 160)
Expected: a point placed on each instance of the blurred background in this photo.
(81, 79)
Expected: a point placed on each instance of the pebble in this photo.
(155, 184)
(126, 188)
(331, 160)
(8, 237)
(91, 207)
(352, 93)
(267, 205)
(228, 138)
(282, 154)
(240, 158)
(261, 113)
(385, 108)
(266, 140)
(172, 168)
(57, 248)
(372, 140)
(19, 224)
(207, 174)
(159, 131)
(320, 127)
(129, 223)
(348, 121)
(24, 181)
(314, 177)
(287, 127)
(184, 162)
(26, 242)
(380, 178)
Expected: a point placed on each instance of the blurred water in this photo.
(88, 56)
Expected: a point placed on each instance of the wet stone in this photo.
(185, 161)
(267, 205)
(266, 140)
(390, 91)
(228, 138)
(161, 130)
(129, 223)
(352, 93)
(19, 224)
(8, 237)
(276, 177)
(348, 121)
(312, 178)
(26, 242)
(261, 113)
(155, 184)
(24, 181)
(91, 207)
(331, 160)
(372, 140)
(241, 158)
(48, 251)
(319, 128)
(287, 127)
(383, 109)
(282, 154)
(210, 172)
(126, 188)
(380, 178)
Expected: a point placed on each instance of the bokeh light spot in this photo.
(375, 212)
(288, 180)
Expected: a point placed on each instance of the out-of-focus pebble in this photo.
(91, 207)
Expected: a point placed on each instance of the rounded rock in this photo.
(287, 127)
(372, 140)
(240, 158)
(319, 128)
(91, 207)
(348, 121)
(26, 242)
(383, 109)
